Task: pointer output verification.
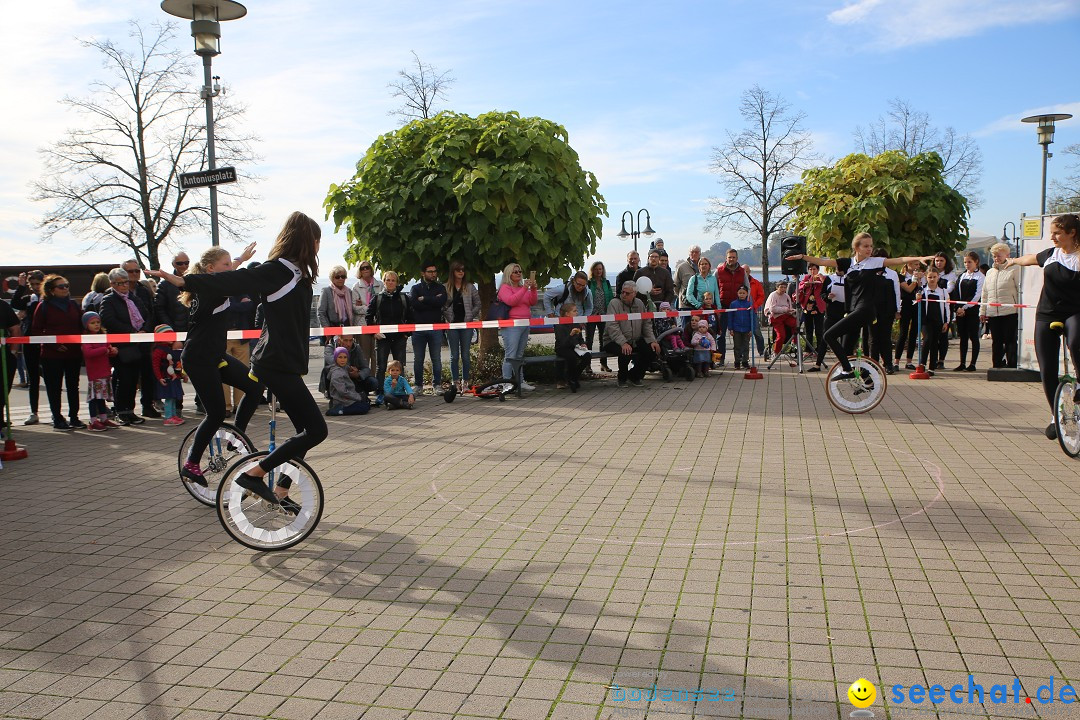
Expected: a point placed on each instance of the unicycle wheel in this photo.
(860, 394)
(1067, 418)
(227, 444)
(260, 525)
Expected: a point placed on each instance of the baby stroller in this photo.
(674, 355)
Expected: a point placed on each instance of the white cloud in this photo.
(898, 23)
(1011, 122)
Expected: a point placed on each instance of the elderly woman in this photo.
(367, 288)
(1002, 285)
(58, 314)
(338, 304)
(520, 295)
(124, 311)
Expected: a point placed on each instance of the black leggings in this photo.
(32, 358)
(907, 339)
(967, 326)
(849, 328)
(207, 380)
(1047, 347)
(303, 411)
(59, 372)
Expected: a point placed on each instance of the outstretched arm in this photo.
(904, 260)
(1022, 260)
(176, 280)
(820, 262)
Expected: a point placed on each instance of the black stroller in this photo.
(673, 360)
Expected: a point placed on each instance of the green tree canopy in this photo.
(488, 191)
(904, 202)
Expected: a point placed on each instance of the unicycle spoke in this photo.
(860, 393)
(260, 525)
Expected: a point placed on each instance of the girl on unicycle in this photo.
(280, 359)
(1058, 304)
(207, 364)
(860, 272)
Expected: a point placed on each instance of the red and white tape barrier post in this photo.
(10, 451)
(752, 373)
(920, 372)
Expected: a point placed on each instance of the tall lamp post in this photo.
(206, 17)
(1013, 242)
(1045, 129)
(637, 232)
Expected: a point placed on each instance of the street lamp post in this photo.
(637, 232)
(1045, 129)
(1014, 242)
(206, 17)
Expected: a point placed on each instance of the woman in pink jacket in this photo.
(520, 295)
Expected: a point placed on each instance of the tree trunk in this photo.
(489, 337)
(765, 259)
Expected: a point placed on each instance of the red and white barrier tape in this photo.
(119, 338)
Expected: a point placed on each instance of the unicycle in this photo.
(858, 394)
(227, 444)
(1066, 411)
(261, 525)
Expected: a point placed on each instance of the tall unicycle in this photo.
(861, 393)
(1066, 410)
(261, 525)
(227, 444)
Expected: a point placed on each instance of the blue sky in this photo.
(644, 89)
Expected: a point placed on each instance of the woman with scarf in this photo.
(338, 304)
(367, 288)
(58, 314)
(123, 311)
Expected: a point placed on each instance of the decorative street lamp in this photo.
(1045, 129)
(1014, 242)
(206, 17)
(638, 232)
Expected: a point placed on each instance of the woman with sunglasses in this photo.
(338, 304)
(367, 288)
(61, 363)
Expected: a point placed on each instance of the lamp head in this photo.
(206, 17)
(1044, 125)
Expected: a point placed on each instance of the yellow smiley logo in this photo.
(862, 693)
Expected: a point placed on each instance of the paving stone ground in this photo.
(558, 556)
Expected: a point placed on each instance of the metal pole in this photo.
(208, 95)
(1046, 156)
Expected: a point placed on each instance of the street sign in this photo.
(206, 178)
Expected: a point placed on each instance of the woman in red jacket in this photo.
(61, 363)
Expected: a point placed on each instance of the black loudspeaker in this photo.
(792, 245)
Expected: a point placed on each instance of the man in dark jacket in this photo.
(147, 381)
(663, 287)
(428, 299)
(633, 264)
(168, 310)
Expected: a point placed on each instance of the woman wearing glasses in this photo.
(462, 305)
(58, 314)
(367, 288)
(338, 304)
(123, 310)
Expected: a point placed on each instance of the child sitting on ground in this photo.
(397, 392)
(345, 399)
(741, 322)
(703, 343)
(169, 373)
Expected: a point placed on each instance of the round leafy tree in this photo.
(904, 202)
(488, 191)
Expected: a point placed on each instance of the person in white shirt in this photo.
(970, 288)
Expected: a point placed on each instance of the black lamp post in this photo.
(638, 232)
(1014, 242)
(206, 17)
(1045, 129)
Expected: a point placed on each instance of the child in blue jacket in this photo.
(742, 322)
(397, 392)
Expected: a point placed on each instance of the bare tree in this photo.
(757, 167)
(1065, 194)
(114, 179)
(910, 130)
(419, 90)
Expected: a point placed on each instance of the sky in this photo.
(645, 90)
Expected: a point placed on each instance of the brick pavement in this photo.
(521, 559)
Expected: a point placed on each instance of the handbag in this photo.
(498, 310)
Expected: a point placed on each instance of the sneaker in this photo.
(132, 418)
(910, 366)
(814, 368)
(77, 424)
(843, 375)
(622, 383)
(959, 368)
(61, 425)
(121, 421)
(890, 370)
(258, 486)
(173, 421)
(151, 412)
(637, 383)
(31, 420)
(97, 426)
(971, 368)
(193, 473)
(109, 424)
(527, 386)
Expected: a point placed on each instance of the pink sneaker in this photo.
(174, 421)
(97, 426)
